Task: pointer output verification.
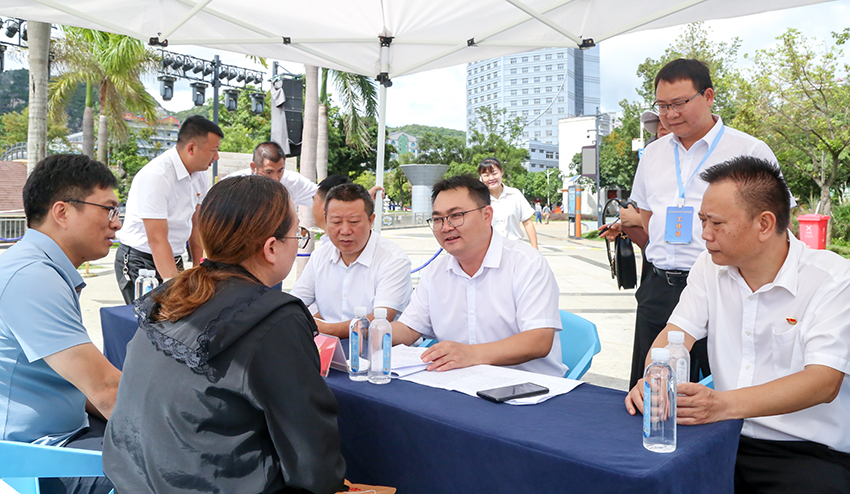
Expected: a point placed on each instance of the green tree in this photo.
(14, 128)
(243, 129)
(114, 65)
(617, 161)
(500, 137)
(799, 103)
(546, 189)
(721, 59)
(442, 149)
(129, 161)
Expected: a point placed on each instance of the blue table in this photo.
(427, 440)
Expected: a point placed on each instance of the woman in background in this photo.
(221, 389)
(510, 208)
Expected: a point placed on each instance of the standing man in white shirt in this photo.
(162, 204)
(491, 300)
(511, 210)
(668, 191)
(269, 160)
(777, 319)
(357, 268)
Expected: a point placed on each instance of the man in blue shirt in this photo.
(56, 387)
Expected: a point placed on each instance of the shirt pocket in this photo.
(787, 350)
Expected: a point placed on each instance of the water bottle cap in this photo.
(360, 312)
(380, 313)
(143, 273)
(660, 354)
(676, 337)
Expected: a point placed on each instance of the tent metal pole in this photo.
(379, 167)
(216, 84)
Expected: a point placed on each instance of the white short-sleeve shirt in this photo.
(299, 187)
(801, 318)
(514, 290)
(380, 277)
(655, 187)
(163, 189)
(510, 209)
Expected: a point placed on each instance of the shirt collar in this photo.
(506, 191)
(55, 253)
(177, 163)
(366, 255)
(708, 138)
(786, 277)
(492, 258)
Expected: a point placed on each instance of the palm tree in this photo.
(358, 96)
(39, 47)
(114, 65)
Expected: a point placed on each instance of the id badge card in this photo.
(679, 225)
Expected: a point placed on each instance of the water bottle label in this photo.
(387, 349)
(647, 408)
(682, 371)
(147, 289)
(355, 351)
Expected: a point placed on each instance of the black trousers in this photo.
(128, 262)
(90, 438)
(656, 300)
(773, 467)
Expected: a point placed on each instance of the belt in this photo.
(144, 255)
(673, 277)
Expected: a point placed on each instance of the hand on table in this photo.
(447, 355)
(634, 400)
(698, 404)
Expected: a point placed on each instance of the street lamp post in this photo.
(548, 188)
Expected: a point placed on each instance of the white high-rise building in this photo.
(540, 87)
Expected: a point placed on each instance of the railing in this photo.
(403, 219)
(16, 151)
(12, 227)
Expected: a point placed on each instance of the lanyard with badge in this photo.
(680, 218)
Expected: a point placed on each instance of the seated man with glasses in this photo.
(57, 388)
(357, 268)
(491, 300)
(668, 191)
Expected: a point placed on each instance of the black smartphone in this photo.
(505, 393)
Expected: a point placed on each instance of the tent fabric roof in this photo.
(343, 34)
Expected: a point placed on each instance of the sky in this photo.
(438, 97)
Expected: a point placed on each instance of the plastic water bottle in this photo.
(381, 343)
(680, 359)
(659, 404)
(358, 346)
(145, 282)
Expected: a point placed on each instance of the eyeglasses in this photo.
(455, 220)
(303, 238)
(113, 210)
(678, 106)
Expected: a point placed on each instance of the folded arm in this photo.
(89, 371)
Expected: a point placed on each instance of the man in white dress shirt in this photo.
(777, 319)
(162, 204)
(491, 300)
(667, 187)
(357, 268)
(269, 160)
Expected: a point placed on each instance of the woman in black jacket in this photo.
(221, 389)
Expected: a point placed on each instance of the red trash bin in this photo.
(813, 230)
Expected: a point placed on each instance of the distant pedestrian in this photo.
(538, 212)
(546, 212)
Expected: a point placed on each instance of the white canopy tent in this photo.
(381, 38)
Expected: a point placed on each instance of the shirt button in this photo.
(748, 366)
(747, 333)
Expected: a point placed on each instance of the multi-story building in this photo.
(539, 87)
(404, 143)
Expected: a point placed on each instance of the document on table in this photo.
(470, 380)
(407, 360)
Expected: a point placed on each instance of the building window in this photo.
(488, 87)
(560, 66)
(525, 113)
(537, 112)
(524, 59)
(513, 103)
(495, 84)
(549, 89)
(532, 150)
(548, 67)
(513, 92)
(488, 66)
(537, 68)
(524, 102)
(548, 78)
(548, 121)
(537, 90)
(548, 56)
(536, 57)
(561, 77)
(525, 70)
(525, 80)
(513, 113)
(513, 60)
(525, 134)
(488, 96)
(557, 156)
(537, 133)
(513, 81)
(513, 71)
(525, 90)
(536, 79)
(561, 55)
(495, 64)
(549, 154)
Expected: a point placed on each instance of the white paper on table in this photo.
(407, 360)
(470, 380)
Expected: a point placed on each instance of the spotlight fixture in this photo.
(231, 97)
(258, 102)
(199, 66)
(188, 64)
(166, 86)
(198, 89)
(231, 74)
(176, 63)
(12, 28)
(167, 60)
(208, 69)
(241, 76)
(24, 32)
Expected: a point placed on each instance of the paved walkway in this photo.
(580, 266)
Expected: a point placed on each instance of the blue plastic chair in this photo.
(22, 464)
(708, 382)
(579, 343)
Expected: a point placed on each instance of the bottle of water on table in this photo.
(381, 343)
(659, 404)
(680, 359)
(358, 346)
(145, 282)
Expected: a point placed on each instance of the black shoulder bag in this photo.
(622, 261)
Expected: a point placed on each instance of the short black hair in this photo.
(268, 150)
(760, 186)
(685, 69)
(349, 193)
(196, 126)
(61, 177)
(478, 192)
(330, 182)
(489, 163)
